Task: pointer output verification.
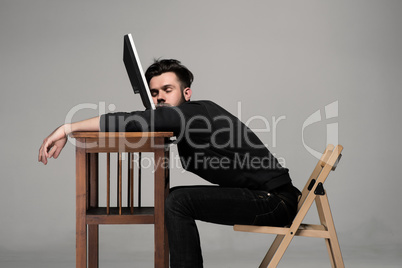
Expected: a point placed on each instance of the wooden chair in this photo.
(313, 191)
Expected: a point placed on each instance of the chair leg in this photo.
(271, 252)
(280, 251)
(279, 247)
(330, 252)
(332, 243)
(282, 242)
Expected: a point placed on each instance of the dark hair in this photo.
(169, 65)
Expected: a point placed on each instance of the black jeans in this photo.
(219, 205)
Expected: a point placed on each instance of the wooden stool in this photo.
(88, 212)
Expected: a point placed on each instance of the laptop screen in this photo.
(135, 72)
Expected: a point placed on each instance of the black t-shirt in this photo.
(212, 143)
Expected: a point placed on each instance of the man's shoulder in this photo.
(200, 103)
(205, 107)
(195, 107)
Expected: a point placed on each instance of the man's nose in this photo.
(161, 97)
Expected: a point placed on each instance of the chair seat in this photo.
(308, 230)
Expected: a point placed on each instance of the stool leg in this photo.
(81, 205)
(93, 229)
(93, 246)
(161, 192)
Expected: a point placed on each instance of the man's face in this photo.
(166, 90)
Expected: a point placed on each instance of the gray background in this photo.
(272, 58)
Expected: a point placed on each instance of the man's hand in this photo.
(53, 144)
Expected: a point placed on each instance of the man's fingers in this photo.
(57, 152)
(41, 156)
(40, 153)
(51, 152)
(43, 152)
(46, 149)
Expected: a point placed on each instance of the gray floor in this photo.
(127, 247)
(312, 256)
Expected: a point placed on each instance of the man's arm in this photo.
(55, 142)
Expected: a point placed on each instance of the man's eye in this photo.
(154, 93)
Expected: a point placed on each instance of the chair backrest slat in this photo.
(108, 185)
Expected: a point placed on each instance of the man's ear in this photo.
(187, 93)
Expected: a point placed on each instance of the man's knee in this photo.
(177, 200)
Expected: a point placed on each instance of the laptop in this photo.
(135, 72)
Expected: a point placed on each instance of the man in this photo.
(251, 187)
